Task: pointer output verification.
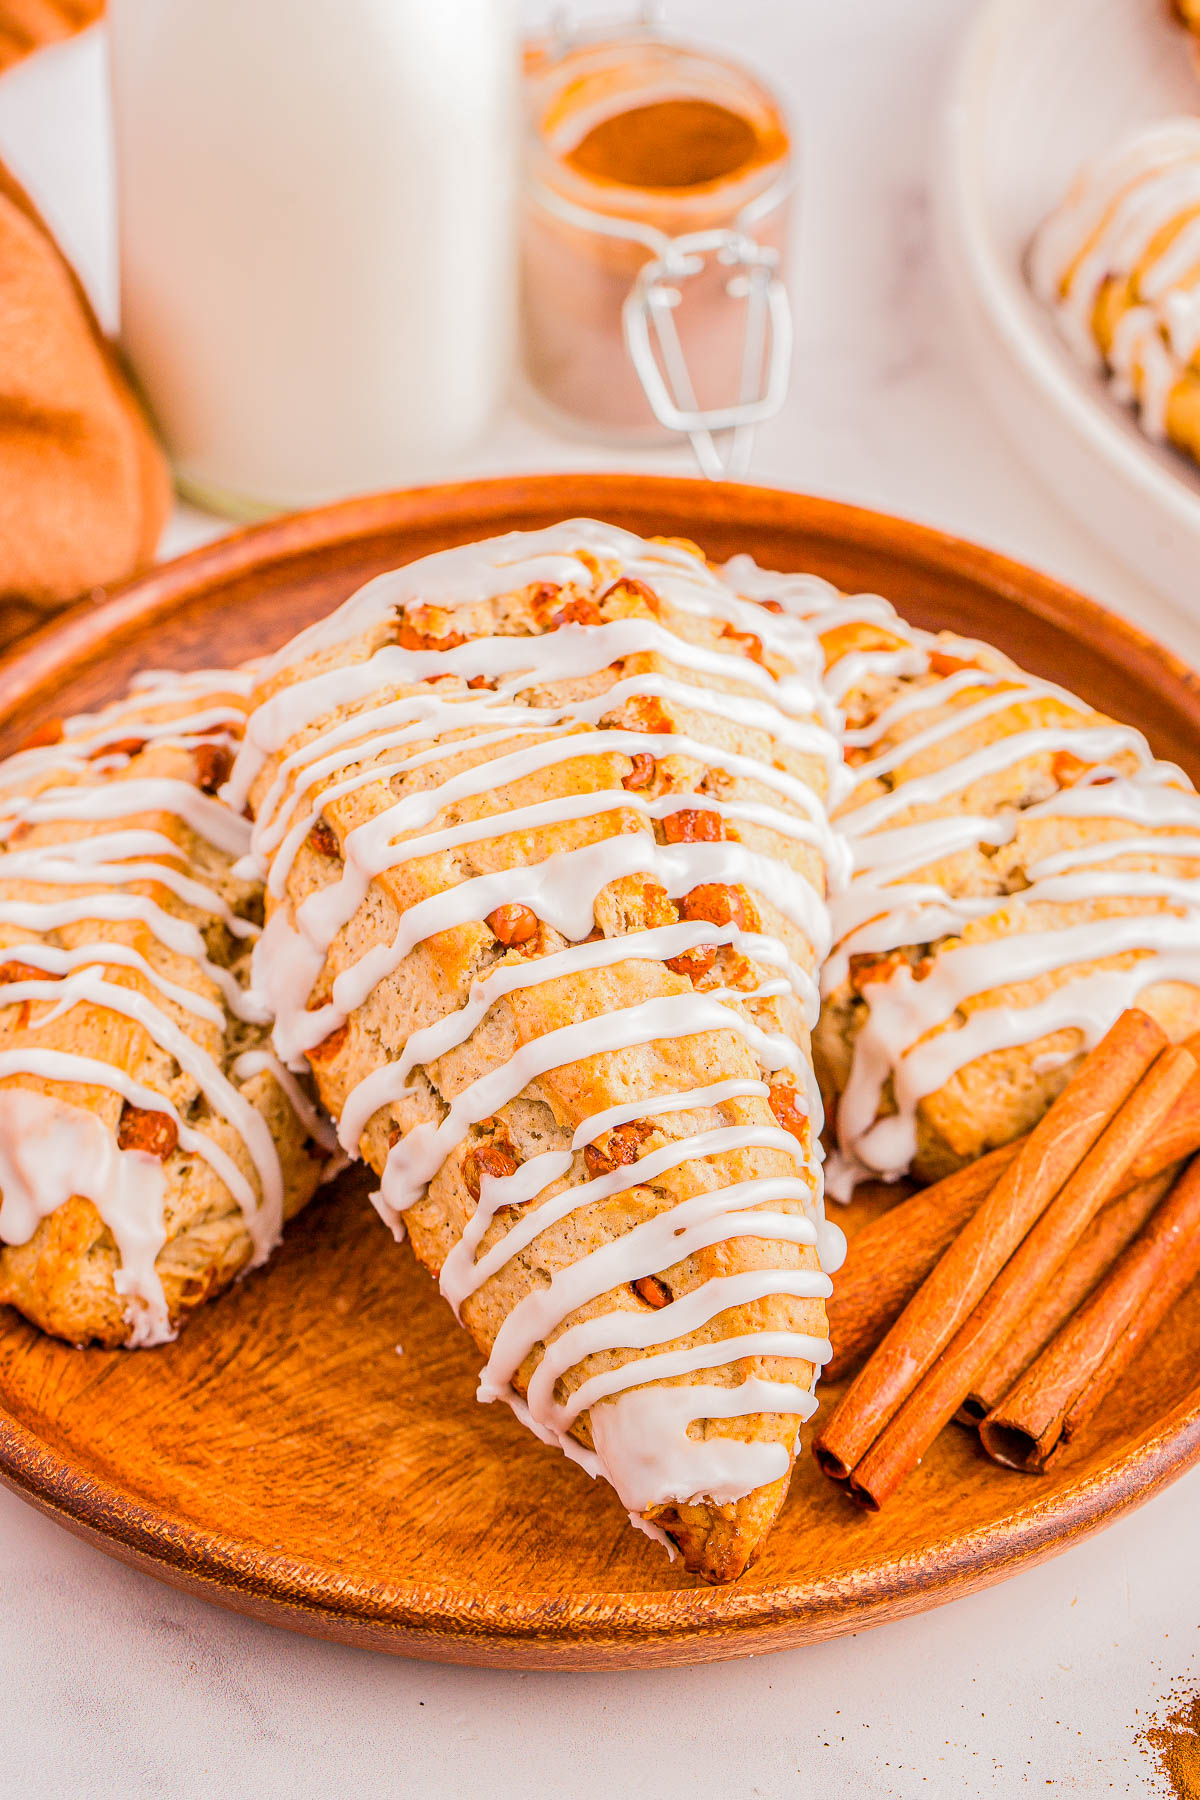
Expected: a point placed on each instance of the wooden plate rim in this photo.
(441, 1621)
(460, 1625)
(56, 643)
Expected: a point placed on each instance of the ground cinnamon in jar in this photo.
(668, 144)
(633, 142)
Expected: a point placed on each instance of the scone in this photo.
(1024, 871)
(151, 1145)
(1188, 13)
(1119, 264)
(543, 826)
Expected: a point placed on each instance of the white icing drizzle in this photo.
(83, 734)
(643, 1437)
(264, 1219)
(258, 1062)
(209, 819)
(387, 1083)
(127, 1195)
(388, 735)
(49, 1152)
(1106, 229)
(913, 1038)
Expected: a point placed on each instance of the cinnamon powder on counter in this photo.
(1174, 1742)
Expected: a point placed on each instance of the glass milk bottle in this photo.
(317, 247)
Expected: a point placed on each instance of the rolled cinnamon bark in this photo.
(1046, 1161)
(1111, 1231)
(936, 1398)
(890, 1258)
(1033, 1427)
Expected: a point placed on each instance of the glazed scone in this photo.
(1188, 13)
(543, 825)
(1024, 871)
(151, 1145)
(1119, 264)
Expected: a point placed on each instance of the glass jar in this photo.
(655, 220)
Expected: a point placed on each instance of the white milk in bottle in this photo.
(317, 249)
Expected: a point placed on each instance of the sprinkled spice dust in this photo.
(1174, 1742)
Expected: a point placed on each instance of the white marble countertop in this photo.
(116, 1686)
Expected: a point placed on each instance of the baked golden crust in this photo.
(176, 951)
(696, 755)
(1119, 264)
(1062, 892)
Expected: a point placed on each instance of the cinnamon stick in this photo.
(938, 1396)
(890, 1258)
(1049, 1156)
(1110, 1232)
(1035, 1424)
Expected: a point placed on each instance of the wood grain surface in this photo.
(282, 1458)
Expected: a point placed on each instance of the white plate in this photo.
(1042, 86)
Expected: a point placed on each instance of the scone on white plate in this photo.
(1118, 262)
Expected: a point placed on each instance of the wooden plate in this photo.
(283, 1459)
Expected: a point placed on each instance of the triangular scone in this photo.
(544, 820)
(151, 1144)
(1025, 870)
(1118, 263)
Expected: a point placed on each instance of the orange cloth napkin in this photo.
(25, 25)
(84, 488)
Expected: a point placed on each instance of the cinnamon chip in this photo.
(213, 764)
(750, 644)
(494, 1157)
(629, 588)
(642, 772)
(653, 1291)
(141, 1128)
(512, 924)
(323, 838)
(648, 714)
(543, 596)
(578, 611)
(788, 1111)
(868, 970)
(693, 963)
(718, 904)
(617, 1148)
(427, 628)
(689, 826)
(330, 1046)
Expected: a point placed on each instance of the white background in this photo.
(115, 1686)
